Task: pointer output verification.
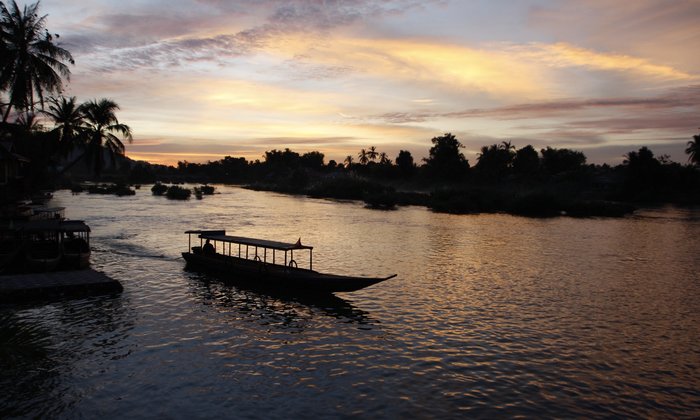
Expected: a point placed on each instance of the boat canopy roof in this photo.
(54, 225)
(46, 225)
(220, 235)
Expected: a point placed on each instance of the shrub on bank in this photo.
(116, 189)
(176, 192)
(159, 189)
(346, 187)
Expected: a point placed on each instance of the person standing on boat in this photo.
(208, 248)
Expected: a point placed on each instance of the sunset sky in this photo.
(201, 79)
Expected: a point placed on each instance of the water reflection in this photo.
(276, 310)
(492, 316)
(41, 345)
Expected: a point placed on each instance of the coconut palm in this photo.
(348, 161)
(28, 123)
(693, 150)
(372, 153)
(31, 63)
(363, 156)
(384, 159)
(102, 127)
(68, 120)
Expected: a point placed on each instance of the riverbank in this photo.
(520, 200)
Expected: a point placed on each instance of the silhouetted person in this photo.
(208, 248)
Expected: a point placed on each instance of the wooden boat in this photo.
(43, 255)
(75, 243)
(256, 263)
(49, 243)
(10, 249)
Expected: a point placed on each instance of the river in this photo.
(489, 316)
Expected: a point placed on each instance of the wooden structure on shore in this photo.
(58, 284)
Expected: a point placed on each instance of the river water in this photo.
(490, 316)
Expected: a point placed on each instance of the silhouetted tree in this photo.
(445, 160)
(372, 153)
(363, 156)
(384, 159)
(642, 167)
(102, 128)
(556, 161)
(495, 160)
(68, 121)
(282, 159)
(404, 161)
(526, 161)
(312, 160)
(348, 161)
(693, 150)
(31, 62)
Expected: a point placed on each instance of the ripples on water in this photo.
(491, 316)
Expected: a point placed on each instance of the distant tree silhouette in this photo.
(103, 130)
(31, 62)
(446, 161)
(693, 150)
(556, 161)
(363, 156)
(312, 160)
(282, 159)
(526, 161)
(404, 161)
(384, 159)
(494, 161)
(643, 169)
(348, 161)
(372, 153)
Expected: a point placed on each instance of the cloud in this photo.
(674, 99)
(657, 30)
(567, 55)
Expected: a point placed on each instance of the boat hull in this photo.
(276, 277)
(76, 260)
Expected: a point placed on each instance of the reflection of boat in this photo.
(277, 308)
(250, 262)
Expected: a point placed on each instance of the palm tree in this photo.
(31, 62)
(363, 156)
(101, 124)
(69, 121)
(372, 153)
(348, 161)
(28, 123)
(384, 159)
(693, 150)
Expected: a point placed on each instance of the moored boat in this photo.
(75, 244)
(47, 244)
(266, 264)
(10, 249)
(42, 255)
